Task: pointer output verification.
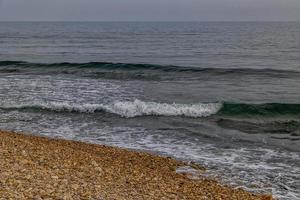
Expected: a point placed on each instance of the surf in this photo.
(137, 108)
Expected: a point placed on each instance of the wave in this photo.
(266, 109)
(127, 108)
(137, 108)
(67, 67)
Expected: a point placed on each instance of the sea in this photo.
(225, 95)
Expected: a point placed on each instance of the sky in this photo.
(149, 10)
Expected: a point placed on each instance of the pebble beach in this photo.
(34, 167)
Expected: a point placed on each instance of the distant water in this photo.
(226, 95)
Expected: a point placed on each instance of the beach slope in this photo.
(40, 168)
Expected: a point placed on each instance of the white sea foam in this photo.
(130, 108)
(140, 108)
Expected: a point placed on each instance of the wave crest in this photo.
(67, 67)
(127, 109)
(141, 108)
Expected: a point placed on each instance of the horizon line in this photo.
(149, 21)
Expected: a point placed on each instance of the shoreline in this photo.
(36, 167)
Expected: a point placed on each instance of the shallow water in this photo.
(225, 95)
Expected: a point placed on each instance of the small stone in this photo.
(75, 186)
(99, 169)
(94, 163)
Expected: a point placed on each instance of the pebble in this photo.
(40, 168)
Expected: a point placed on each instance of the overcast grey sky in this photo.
(150, 10)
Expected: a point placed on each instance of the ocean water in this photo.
(225, 95)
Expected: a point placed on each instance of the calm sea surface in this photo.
(225, 95)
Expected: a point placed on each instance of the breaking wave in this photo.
(127, 108)
(137, 108)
